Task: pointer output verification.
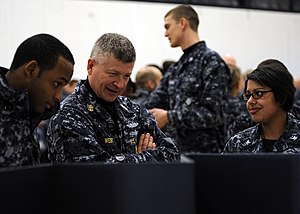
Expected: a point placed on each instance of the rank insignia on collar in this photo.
(108, 140)
(90, 107)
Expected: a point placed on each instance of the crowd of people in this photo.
(201, 103)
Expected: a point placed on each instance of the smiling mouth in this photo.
(113, 91)
(253, 111)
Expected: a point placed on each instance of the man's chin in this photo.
(110, 99)
(41, 111)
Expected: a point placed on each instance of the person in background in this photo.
(30, 92)
(95, 124)
(243, 120)
(236, 105)
(229, 60)
(147, 79)
(166, 64)
(269, 93)
(69, 88)
(129, 89)
(190, 101)
(234, 86)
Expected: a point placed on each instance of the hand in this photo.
(161, 117)
(145, 142)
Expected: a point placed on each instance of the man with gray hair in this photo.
(96, 124)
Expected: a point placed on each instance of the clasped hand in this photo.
(145, 142)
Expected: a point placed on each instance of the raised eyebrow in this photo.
(258, 89)
(112, 71)
(64, 79)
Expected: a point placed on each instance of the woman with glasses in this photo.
(269, 95)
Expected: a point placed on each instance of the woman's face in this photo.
(263, 108)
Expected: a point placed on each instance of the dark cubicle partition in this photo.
(25, 190)
(98, 188)
(213, 184)
(256, 184)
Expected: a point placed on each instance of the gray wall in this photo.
(251, 36)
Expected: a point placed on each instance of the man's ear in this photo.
(90, 65)
(150, 84)
(32, 69)
(183, 23)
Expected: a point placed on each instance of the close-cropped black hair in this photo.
(274, 74)
(43, 48)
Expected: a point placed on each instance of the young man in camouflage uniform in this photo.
(189, 103)
(269, 93)
(30, 91)
(96, 124)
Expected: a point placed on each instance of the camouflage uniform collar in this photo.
(84, 94)
(281, 143)
(190, 53)
(88, 99)
(8, 93)
(289, 135)
(191, 48)
(291, 125)
(99, 100)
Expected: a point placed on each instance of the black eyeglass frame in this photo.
(254, 94)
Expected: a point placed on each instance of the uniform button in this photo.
(120, 157)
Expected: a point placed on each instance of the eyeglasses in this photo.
(254, 94)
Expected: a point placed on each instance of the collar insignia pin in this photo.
(90, 107)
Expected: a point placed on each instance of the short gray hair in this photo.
(114, 44)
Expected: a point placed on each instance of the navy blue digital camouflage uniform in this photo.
(194, 91)
(84, 130)
(18, 146)
(140, 96)
(240, 123)
(250, 140)
(236, 107)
